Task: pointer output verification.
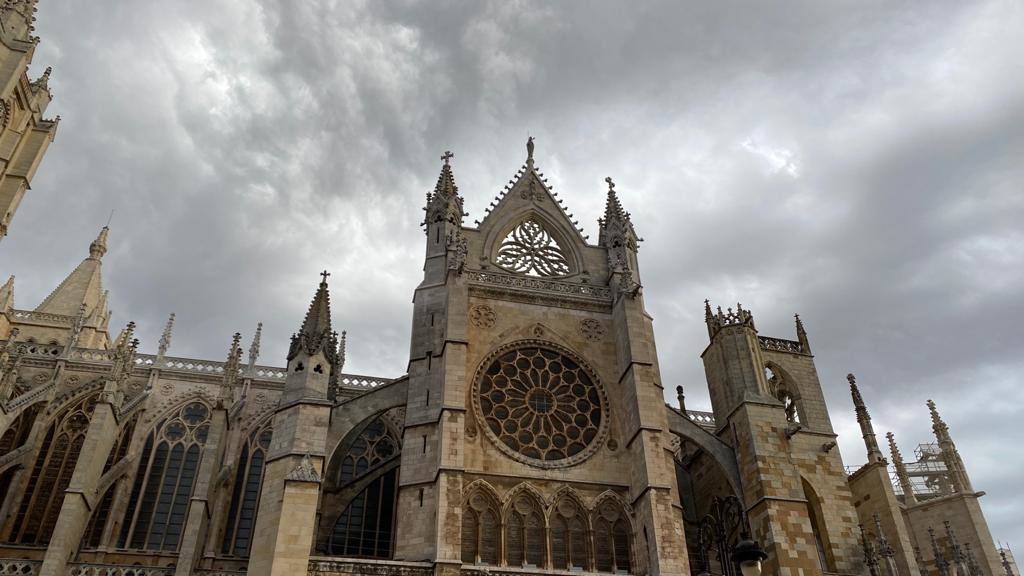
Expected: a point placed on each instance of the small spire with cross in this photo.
(323, 276)
(447, 156)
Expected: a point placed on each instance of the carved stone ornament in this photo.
(167, 388)
(482, 316)
(529, 249)
(40, 379)
(592, 329)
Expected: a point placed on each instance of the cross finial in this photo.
(324, 275)
(611, 185)
(447, 156)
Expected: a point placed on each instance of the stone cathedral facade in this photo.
(530, 434)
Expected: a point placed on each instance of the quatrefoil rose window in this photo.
(540, 405)
(530, 249)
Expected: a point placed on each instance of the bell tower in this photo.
(769, 407)
(24, 133)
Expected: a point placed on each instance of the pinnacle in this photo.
(858, 400)
(318, 317)
(98, 247)
(613, 208)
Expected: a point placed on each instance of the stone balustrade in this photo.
(114, 570)
(12, 567)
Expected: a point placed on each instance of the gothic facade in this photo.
(529, 436)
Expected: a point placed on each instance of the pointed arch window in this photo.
(524, 534)
(569, 549)
(51, 474)
(821, 540)
(480, 526)
(366, 528)
(781, 389)
(530, 249)
(611, 540)
(246, 494)
(163, 484)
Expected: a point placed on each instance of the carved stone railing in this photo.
(203, 572)
(356, 381)
(544, 285)
(115, 570)
(12, 567)
(703, 419)
(131, 405)
(37, 349)
(780, 345)
(508, 571)
(42, 317)
(91, 355)
(330, 566)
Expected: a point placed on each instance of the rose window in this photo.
(531, 250)
(540, 405)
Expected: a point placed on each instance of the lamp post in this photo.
(726, 517)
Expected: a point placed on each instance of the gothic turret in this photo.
(864, 419)
(620, 239)
(443, 223)
(312, 356)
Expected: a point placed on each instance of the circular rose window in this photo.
(540, 404)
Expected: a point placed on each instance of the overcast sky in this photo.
(857, 162)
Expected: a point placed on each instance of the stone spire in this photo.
(165, 340)
(43, 82)
(124, 356)
(7, 294)
(444, 204)
(231, 368)
(254, 350)
(83, 286)
(864, 419)
(342, 350)
(316, 334)
(619, 238)
(950, 455)
(801, 335)
(8, 365)
(901, 471)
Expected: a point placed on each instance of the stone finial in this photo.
(342, 346)
(98, 247)
(681, 398)
(801, 335)
(124, 355)
(315, 332)
(76, 329)
(254, 349)
(165, 340)
(864, 419)
(43, 82)
(870, 554)
(909, 498)
(950, 455)
(940, 559)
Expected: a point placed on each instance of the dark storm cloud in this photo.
(858, 163)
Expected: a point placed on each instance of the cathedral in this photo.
(530, 434)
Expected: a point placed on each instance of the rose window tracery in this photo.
(530, 249)
(540, 405)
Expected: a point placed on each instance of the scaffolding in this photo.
(929, 476)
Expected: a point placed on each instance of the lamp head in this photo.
(749, 555)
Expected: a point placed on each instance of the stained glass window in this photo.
(246, 493)
(530, 249)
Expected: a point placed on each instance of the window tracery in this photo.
(540, 406)
(366, 528)
(524, 534)
(569, 550)
(163, 485)
(14, 437)
(98, 520)
(530, 249)
(611, 540)
(480, 527)
(51, 474)
(779, 388)
(246, 492)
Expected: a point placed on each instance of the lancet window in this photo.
(163, 485)
(480, 530)
(569, 549)
(611, 540)
(524, 534)
(366, 528)
(51, 474)
(530, 249)
(781, 390)
(246, 493)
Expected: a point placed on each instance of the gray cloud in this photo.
(856, 163)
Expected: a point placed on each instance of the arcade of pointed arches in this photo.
(521, 530)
